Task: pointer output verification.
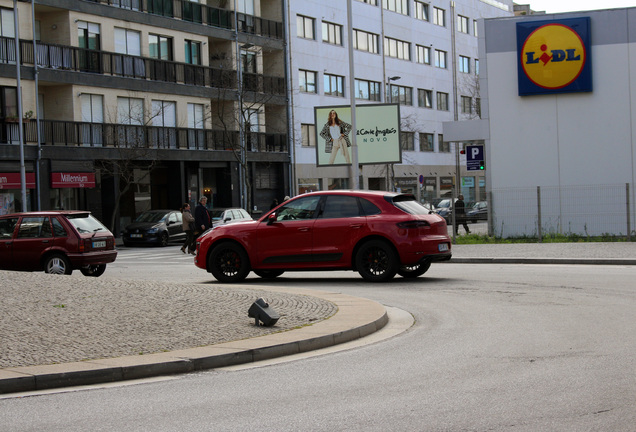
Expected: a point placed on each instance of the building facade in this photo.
(422, 55)
(128, 105)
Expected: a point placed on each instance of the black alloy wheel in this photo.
(376, 261)
(229, 263)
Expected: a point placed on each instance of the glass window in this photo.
(423, 54)
(425, 98)
(439, 17)
(7, 226)
(309, 185)
(337, 206)
(338, 183)
(397, 48)
(305, 27)
(440, 59)
(334, 85)
(307, 81)
(444, 147)
(401, 95)
(127, 42)
(58, 229)
(467, 105)
(426, 142)
(193, 52)
(7, 27)
(399, 6)
(476, 66)
(308, 135)
(475, 26)
(421, 10)
(302, 208)
(130, 111)
(369, 208)
(442, 101)
(35, 227)
(368, 90)
(407, 141)
(371, 2)
(464, 64)
(92, 108)
(365, 41)
(462, 24)
(195, 116)
(160, 47)
(331, 33)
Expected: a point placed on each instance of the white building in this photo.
(420, 54)
(560, 162)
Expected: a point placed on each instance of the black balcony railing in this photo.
(202, 14)
(81, 134)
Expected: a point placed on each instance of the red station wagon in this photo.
(378, 234)
(57, 242)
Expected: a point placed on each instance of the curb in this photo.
(562, 261)
(356, 317)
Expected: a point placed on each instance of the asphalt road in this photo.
(493, 347)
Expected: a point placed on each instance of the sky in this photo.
(555, 6)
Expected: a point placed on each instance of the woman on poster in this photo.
(336, 135)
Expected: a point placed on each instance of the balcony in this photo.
(62, 57)
(186, 10)
(108, 135)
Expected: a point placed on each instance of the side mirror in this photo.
(271, 218)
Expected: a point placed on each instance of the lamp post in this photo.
(389, 96)
(388, 87)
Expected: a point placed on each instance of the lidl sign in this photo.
(554, 56)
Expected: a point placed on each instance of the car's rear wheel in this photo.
(268, 274)
(414, 271)
(95, 270)
(57, 264)
(376, 261)
(164, 239)
(229, 262)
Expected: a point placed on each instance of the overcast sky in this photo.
(554, 6)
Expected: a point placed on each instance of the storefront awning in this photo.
(72, 180)
(12, 181)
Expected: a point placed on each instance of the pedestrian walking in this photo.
(201, 217)
(460, 215)
(188, 229)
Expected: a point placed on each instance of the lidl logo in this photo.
(554, 56)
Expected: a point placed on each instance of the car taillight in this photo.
(81, 246)
(413, 224)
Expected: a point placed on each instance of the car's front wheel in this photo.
(57, 264)
(164, 239)
(95, 270)
(229, 262)
(268, 274)
(414, 271)
(376, 261)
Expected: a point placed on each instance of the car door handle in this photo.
(356, 226)
(45, 241)
(303, 229)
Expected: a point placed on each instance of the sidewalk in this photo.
(94, 330)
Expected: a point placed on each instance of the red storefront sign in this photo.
(72, 180)
(13, 181)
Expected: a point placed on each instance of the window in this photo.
(245, 6)
(399, 6)
(7, 27)
(407, 141)
(439, 17)
(444, 147)
(371, 2)
(307, 81)
(160, 7)
(332, 33)
(192, 52)
(130, 111)
(248, 61)
(475, 32)
(340, 207)
(440, 59)
(367, 90)
(476, 66)
(442, 101)
(423, 54)
(401, 95)
(127, 42)
(92, 108)
(305, 27)
(8, 102)
(397, 48)
(425, 98)
(196, 118)
(426, 142)
(421, 10)
(164, 118)
(160, 47)
(467, 105)
(308, 135)
(35, 227)
(478, 107)
(364, 41)
(462, 24)
(334, 85)
(464, 64)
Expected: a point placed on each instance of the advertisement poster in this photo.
(377, 134)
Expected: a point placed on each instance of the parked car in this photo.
(378, 234)
(222, 216)
(56, 242)
(478, 212)
(445, 209)
(154, 227)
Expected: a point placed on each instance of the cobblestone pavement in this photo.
(47, 319)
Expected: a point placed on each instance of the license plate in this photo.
(136, 235)
(443, 247)
(99, 244)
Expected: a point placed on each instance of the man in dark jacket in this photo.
(201, 216)
(460, 215)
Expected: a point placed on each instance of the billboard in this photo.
(377, 134)
(554, 56)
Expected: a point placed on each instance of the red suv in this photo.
(375, 233)
(55, 241)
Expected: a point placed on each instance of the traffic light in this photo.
(482, 165)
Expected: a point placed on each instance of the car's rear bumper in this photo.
(91, 258)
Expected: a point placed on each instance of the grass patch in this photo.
(549, 238)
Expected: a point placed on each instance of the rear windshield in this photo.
(86, 224)
(410, 205)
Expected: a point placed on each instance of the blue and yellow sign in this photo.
(554, 56)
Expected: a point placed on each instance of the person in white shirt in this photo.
(336, 135)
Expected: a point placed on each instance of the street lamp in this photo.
(388, 87)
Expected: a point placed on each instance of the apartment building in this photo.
(422, 55)
(127, 105)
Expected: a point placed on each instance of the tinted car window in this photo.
(58, 229)
(337, 206)
(412, 207)
(34, 227)
(150, 217)
(86, 223)
(6, 227)
(302, 208)
(172, 217)
(369, 208)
